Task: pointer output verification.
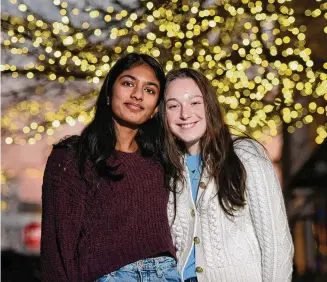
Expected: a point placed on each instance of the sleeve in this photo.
(267, 208)
(63, 207)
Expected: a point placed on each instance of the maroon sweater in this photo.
(88, 232)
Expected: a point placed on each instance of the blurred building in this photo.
(307, 203)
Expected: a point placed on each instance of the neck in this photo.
(193, 148)
(125, 138)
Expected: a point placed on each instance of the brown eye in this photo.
(128, 83)
(149, 90)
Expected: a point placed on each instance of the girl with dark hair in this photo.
(226, 207)
(104, 193)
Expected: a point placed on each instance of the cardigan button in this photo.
(199, 269)
(192, 213)
(202, 185)
(196, 240)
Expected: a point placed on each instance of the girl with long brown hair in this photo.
(226, 207)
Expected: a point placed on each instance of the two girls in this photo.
(105, 197)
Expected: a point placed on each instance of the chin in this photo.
(187, 140)
(129, 122)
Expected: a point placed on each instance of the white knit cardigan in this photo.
(254, 246)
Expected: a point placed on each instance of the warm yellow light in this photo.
(247, 70)
(22, 7)
(9, 140)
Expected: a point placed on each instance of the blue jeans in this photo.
(160, 269)
(193, 279)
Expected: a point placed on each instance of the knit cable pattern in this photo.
(265, 200)
(255, 245)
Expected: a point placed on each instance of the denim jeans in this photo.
(193, 279)
(160, 269)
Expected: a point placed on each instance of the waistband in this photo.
(151, 264)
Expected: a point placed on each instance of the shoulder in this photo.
(249, 149)
(62, 167)
(64, 150)
(62, 175)
(61, 155)
(69, 142)
(61, 161)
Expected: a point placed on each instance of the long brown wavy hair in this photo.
(217, 147)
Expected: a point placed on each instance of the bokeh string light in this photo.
(254, 53)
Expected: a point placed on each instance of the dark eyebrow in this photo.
(134, 78)
(129, 76)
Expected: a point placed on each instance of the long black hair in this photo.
(98, 139)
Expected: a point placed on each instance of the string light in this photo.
(255, 55)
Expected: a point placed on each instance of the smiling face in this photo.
(135, 96)
(185, 112)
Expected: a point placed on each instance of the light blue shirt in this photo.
(194, 165)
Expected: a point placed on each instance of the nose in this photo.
(185, 112)
(137, 93)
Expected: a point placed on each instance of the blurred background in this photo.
(267, 60)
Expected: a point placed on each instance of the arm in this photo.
(267, 209)
(62, 214)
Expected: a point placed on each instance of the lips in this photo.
(187, 125)
(134, 106)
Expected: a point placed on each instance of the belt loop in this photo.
(158, 268)
(140, 265)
